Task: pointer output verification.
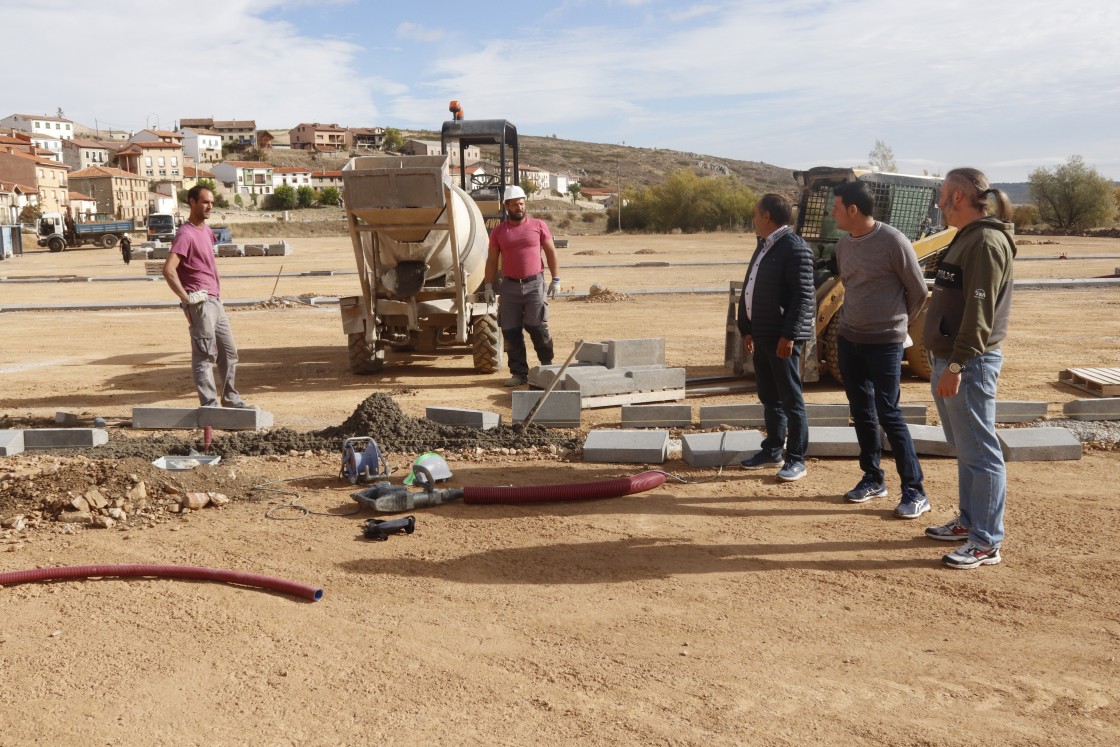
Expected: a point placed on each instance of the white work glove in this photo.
(488, 294)
(554, 287)
(197, 297)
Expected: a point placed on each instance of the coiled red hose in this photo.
(579, 491)
(164, 571)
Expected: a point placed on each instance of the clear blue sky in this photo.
(1003, 85)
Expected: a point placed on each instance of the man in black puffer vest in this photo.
(776, 314)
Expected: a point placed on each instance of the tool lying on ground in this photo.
(380, 529)
(388, 499)
(362, 461)
(428, 469)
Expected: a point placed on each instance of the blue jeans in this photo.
(871, 376)
(783, 407)
(969, 420)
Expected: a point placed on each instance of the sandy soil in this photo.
(726, 609)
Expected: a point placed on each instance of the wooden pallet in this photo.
(1100, 382)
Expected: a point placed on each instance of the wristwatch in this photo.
(955, 368)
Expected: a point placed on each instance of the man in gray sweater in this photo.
(883, 290)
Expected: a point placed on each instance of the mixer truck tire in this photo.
(917, 357)
(365, 357)
(830, 349)
(486, 343)
(109, 240)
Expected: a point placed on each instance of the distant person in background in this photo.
(883, 290)
(518, 243)
(776, 314)
(71, 229)
(192, 273)
(126, 249)
(966, 321)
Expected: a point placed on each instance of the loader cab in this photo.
(909, 203)
(488, 190)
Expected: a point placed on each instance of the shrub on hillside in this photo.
(688, 202)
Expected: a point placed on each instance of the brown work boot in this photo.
(515, 380)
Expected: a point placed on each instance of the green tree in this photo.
(530, 187)
(1073, 196)
(394, 140)
(882, 157)
(329, 196)
(688, 202)
(30, 213)
(284, 198)
(305, 196)
(574, 190)
(238, 201)
(1024, 215)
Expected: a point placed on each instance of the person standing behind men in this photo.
(517, 243)
(192, 273)
(965, 324)
(776, 313)
(126, 249)
(883, 290)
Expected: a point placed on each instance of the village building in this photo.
(47, 177)
(119, 194)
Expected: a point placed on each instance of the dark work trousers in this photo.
(783, 407)
(524, 306)
(871, 380)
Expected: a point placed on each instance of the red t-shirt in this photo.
(197, 269)
(520, 246)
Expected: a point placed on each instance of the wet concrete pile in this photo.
(378, 417)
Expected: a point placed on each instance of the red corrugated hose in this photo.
(195, 573)
(580, 491)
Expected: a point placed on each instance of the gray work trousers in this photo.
(212, 342)
(524, 305)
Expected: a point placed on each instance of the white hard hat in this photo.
(513, 192)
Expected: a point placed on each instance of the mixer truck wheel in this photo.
(109, 240)
(830, 349)
(916, 355)
(365, 357)
(486, 343)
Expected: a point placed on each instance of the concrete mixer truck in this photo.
(420, 243)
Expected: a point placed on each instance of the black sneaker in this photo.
(761, 460)
(865, 490)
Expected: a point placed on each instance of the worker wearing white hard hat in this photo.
(522, 246)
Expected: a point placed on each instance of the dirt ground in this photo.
(720, 608)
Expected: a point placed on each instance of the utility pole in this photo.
(618, 166)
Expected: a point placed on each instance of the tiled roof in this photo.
(291, 170)
(249, 164)
(235, 124)
(80, 196)
(97, 171)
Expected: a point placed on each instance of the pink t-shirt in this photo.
(520, 246)
(197, 269)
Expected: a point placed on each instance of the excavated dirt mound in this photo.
(378, 417)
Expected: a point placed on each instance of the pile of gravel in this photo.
(378, 417)
(1088, 431)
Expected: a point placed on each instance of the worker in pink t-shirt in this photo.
(192, 273)
(517, 244)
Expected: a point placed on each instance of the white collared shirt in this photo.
(748, 292)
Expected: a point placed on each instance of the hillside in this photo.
(593, 164)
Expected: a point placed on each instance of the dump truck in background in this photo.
(909, 203)
(52, 233)
(420, 243)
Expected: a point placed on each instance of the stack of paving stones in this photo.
(608, 374)
(281, 249)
